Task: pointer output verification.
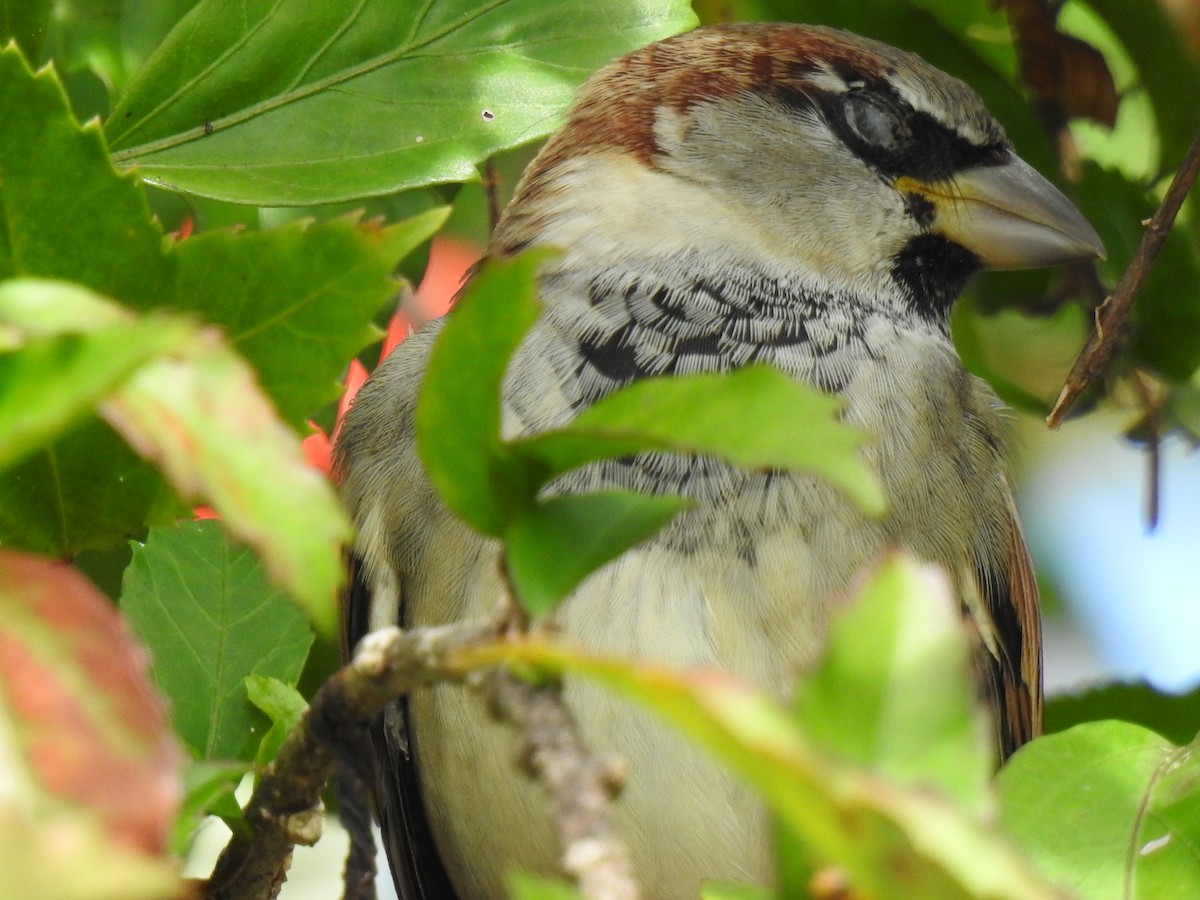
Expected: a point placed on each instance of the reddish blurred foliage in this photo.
(89, 727)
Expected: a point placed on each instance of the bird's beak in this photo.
(1009, 216)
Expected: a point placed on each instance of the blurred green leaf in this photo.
(556, 543)
(724, 890)
(64, 355)
(210, 618)
(755, 417)
(523, 886)
(894, 691)
(458, 413)
(291, 102)
(1108, 810)
(283, 705)
(1175, 716)
(297, 301)
(206, 424)
(26, 22)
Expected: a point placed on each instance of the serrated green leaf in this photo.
(296, 301)
(283, 705)
(291, 102)
(1109, 810)
(899, 652)
(69, 349)
(68, 216)
(888, 841)
(64, 204)
(556, 543)
(211, 618)
(458, 412)
(205, 423)
(755, 417)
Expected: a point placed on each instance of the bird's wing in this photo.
(1009, 595)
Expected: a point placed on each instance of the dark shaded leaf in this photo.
(26, 22)
(1175, 716)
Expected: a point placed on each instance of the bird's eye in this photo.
(874, 122)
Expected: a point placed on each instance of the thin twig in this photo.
(581, 786)
(1110, 317)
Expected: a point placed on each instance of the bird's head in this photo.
(834, 158)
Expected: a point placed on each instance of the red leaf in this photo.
(89, 727)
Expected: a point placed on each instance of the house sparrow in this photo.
(782, 194)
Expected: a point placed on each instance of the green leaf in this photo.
(277, 102)
(755, 417)
(284, 706)
(210, 618)
(64, 206)
(67, 215)
(458, 412)
(67, 350)
(556, 543)
(203, 420)
(296, 302)
(889, 841)
(1109, 810)
(1175, 716)
(894, 691)
(724, 890)
(85, 491)
(26, 22)
(208, 790)
(524, 886)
